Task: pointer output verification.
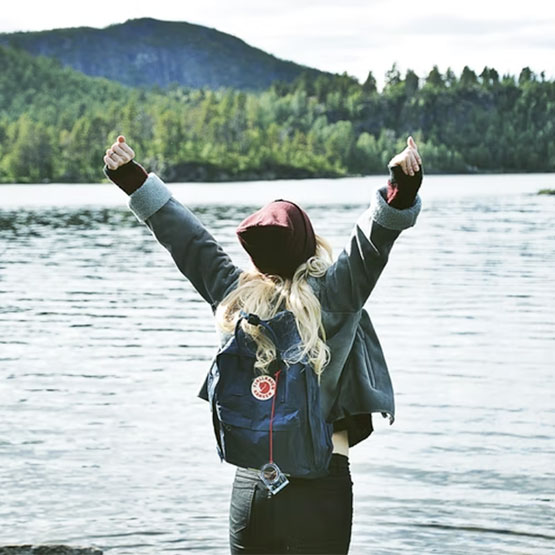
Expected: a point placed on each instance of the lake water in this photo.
(104, 345)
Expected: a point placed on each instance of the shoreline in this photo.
(254, 179)
(29, 549)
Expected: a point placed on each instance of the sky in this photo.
(353, 36)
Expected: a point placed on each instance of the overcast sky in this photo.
(341, 35)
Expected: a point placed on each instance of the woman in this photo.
(293, 270)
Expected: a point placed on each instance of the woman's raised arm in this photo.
(350, 280)
(194, 250)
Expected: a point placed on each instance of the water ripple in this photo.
(104, 346)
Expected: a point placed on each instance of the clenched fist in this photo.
(409, 159)
(118, 154)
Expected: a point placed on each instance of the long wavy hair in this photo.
(265, 295)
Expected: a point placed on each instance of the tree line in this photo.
(56, 123)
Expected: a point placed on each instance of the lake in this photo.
(104, 346)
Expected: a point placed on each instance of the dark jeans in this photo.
(307, 516)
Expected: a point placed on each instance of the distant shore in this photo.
(224, 177)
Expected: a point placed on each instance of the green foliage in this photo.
(55, 124)
(30, 157)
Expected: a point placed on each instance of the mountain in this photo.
(147, 52)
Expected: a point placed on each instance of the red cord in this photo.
(272, 418)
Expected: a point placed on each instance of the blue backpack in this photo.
(274, 419)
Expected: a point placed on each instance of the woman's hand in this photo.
(409, 159)
(118, 154)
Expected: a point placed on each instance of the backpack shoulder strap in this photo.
(254, 320)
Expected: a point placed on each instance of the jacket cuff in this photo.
(149, 198)
(393, 218)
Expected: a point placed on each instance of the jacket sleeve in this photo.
(350, 280)
(196, 253)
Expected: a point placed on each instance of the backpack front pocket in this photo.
(245, 438)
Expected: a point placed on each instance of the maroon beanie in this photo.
(279, 238)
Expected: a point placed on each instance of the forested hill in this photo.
(45, 91)
(55, 124)
(148, 52)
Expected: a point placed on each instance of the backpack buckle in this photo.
(253, 319)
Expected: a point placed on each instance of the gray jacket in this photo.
(356, 381)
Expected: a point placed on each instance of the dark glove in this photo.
(402, 188)
(128, 177)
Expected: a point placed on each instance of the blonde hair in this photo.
(265, 295)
